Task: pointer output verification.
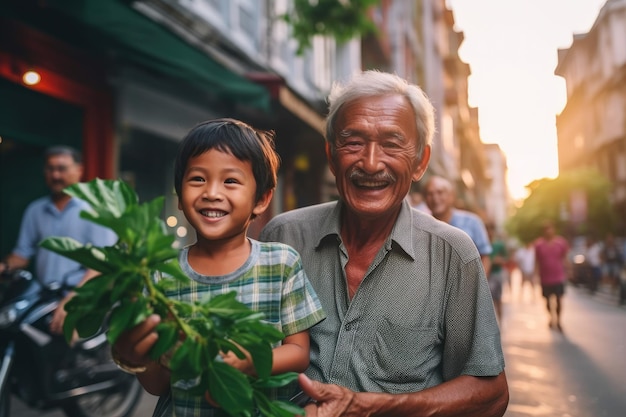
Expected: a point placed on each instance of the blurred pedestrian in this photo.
(551, 263)
(57, 214)
(416, 200)
(497, 272)
(593, 258)
(524, 258)
(440, 197)
(612, 260)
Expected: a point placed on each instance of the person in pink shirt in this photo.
(550, 260)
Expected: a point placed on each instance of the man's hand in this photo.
(331, 400)
(58, 318)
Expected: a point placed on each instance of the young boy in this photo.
(225, 175)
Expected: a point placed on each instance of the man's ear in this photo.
(329, 157)
(263, 203)
(81, 171)
(422, 165)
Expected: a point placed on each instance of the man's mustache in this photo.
(358, 175)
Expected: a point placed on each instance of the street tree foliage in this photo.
(550, 199)
(338, 19)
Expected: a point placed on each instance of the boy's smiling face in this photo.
(218, 196)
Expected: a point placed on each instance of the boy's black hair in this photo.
(237, 138)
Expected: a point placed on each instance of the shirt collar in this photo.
(401, 234)
(330, 226)
(53, 208)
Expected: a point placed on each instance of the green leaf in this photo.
(168, 336)
(69, 324)
(182, 362)
(275, 381)
(126, 315)
(87, 255)
(159, 248)
(260, 351)
(284, 409)
(171, 269)
(127, 284)
(89, 324)
(107, 196)
(230, 388)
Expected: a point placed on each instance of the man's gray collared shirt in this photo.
(422, 315)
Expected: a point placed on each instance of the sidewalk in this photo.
(607, 293)
(550, 373)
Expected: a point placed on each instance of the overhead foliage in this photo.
(550, 199)
(339, 19)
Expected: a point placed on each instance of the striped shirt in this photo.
(271, 281)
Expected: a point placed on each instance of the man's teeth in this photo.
(372, 184)
(213, 213)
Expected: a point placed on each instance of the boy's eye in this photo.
(196, 179)
(231, 181)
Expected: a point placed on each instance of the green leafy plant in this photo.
(341, 20)
(126, 293)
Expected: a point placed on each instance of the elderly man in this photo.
(411, 329)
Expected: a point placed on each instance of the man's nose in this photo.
(372, 160)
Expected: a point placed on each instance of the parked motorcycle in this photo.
(582, 274)
(42, 370)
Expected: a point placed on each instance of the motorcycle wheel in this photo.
(5, 403)
(119, 401)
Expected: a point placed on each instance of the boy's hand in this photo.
(244, 365)
(133, 345)
(210, 400)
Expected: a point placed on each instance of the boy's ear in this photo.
(263, 203)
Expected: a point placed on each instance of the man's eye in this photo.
(391, 145)
(351, 143)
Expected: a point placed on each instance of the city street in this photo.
(579, 373)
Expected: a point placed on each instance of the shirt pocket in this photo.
(406, 354)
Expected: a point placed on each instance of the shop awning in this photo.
(142, 41)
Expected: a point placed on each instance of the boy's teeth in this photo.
(213, 213)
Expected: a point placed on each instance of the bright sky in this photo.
(511, 47)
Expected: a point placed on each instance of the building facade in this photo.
(125, 80)
(591, 128)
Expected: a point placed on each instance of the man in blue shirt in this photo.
(57, 214)
(439, 196)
